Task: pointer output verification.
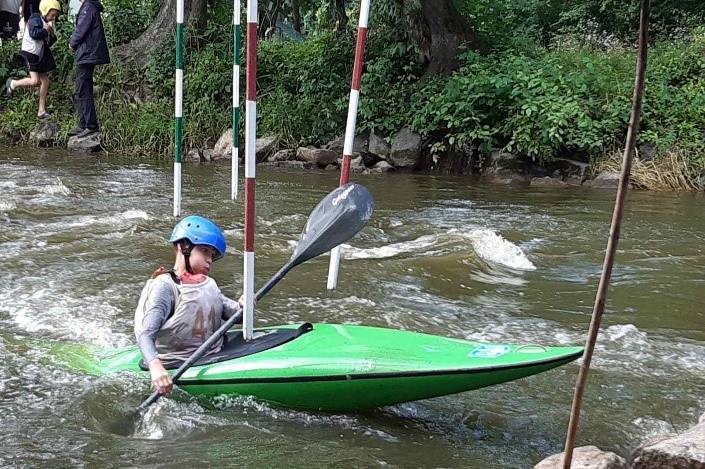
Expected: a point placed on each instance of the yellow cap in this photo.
(45, 6)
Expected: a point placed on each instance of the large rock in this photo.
(296, 165)
(606, 180)
(381, 167)
(547, 181)
(360, 145)
(264, 147)
(684, 451)
(510, 177)
(320, 156)
(224, 146)
(585, 457)
(283, 155)
(406, 149)
(378, 146)
(90, 144)
(44, 133)
(565, 168)
(500, 159)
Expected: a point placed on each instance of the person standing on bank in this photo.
(90, 48)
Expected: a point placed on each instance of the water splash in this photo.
(492, 247)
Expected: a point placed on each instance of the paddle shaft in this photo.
(224, 328)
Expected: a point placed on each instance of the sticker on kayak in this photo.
(489, 351)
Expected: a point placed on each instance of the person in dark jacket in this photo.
(37, 38)
(90, 48)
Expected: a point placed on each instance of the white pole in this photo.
(178, 106)
(250, 137)
(353, 103)
(236, 101)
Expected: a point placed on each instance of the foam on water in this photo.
(492, 247)
(245, 404)
(416, 246)
(57, 188)
(6, 206)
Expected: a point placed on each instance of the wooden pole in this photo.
(601, 297)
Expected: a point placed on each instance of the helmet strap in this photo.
(186, 252)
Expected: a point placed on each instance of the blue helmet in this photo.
(199, 230)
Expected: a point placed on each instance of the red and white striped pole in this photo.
(250, 136)
(350, 126)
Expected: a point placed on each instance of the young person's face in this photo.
(52, 15)
(201, 259)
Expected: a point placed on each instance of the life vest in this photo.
(197, 315)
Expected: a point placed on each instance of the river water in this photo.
(447, 256)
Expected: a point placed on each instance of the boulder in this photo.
(357, 165)
(264, 147)
(378, 146)
(90, 144)
(406, 149)
(44, 133)
(283, 155)
(567, 168)
(319, 156)
(224, 146)
(547, 181)
(369, 159)
(381, 167)
(683, 451)
(297, 165)
(585, 457)
(606, 180)
(194, 155)
(360, 145)
(509, 177)
(500, 159)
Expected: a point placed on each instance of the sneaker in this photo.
(8, 86)
(86, 133)
(43, 115)
(75, 131)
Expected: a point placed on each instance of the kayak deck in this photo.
(337, 367)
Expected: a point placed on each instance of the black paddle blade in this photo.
(336, 219)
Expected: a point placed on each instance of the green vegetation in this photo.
(548, 79)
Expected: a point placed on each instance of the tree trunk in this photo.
(341, 16)
(296, 15)
(444, 32)
(139, 49)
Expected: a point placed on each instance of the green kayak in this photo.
(335, 367)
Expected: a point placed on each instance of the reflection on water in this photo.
(441, 255)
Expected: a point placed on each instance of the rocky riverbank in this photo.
(685, 450)
(403, 151)
(406, 151)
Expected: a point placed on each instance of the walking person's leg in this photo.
(43, 91)
(32, 81)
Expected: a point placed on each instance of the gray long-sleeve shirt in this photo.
(159, 306)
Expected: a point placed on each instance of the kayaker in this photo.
(180, 308)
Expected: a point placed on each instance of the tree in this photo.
(138, 50)
(443, 32)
